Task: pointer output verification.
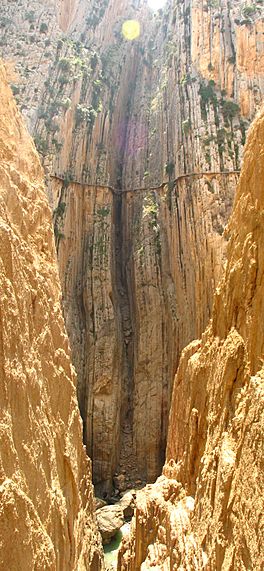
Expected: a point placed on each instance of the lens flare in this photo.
(131, 29)
(156, 4)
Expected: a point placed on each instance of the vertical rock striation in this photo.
(206, 510)
(166, 114)
(47, 505)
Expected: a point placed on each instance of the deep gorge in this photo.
(141, 141)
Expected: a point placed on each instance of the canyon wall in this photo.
(47, 516)
(141, 142)
(206, 510)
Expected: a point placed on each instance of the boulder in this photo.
(99, 503)
(120, 482)
(127, 503)
(109, 519)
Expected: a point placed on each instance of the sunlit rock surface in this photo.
(47, 518)
(206, 510)
(137, 268)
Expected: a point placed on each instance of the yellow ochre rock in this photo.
(206, 510)
(46, 497)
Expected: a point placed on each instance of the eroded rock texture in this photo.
(206, 510)
(166, 113)
(47, 505)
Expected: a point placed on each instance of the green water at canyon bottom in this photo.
(111, 550)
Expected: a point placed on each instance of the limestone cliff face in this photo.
(206, 510)
(47, 504)
(149, 261)
(166, 114)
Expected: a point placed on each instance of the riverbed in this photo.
(111, 549)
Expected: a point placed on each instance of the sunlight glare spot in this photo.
(156, 4)
(131, 29)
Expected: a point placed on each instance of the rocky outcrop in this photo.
(47, 516)
(166, 114)
(206, 510)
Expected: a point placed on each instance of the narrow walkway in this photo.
(145, 188)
